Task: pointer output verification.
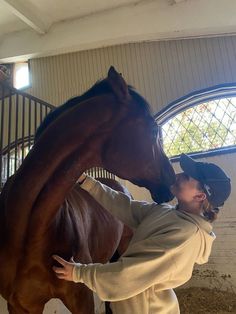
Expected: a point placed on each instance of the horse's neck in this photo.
(61, 154)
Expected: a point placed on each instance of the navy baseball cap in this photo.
(214, 181)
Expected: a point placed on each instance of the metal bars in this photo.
(20, 116)
(97, 172)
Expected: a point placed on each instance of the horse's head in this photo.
(123, 135)
(134, 151)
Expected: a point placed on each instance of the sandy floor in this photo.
(206, 301)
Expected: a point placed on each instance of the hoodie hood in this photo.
(206, 234)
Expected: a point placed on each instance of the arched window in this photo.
(202, 122)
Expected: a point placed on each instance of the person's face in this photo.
(186, 189)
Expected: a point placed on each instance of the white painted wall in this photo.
(160, 71)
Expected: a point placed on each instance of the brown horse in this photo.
(43, 212)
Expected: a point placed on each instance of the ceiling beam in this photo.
(159, 21)
(27, 13)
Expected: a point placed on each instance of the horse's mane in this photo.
(99, 88)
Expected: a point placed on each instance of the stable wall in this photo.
(161, 71)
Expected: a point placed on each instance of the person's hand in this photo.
(66, 271)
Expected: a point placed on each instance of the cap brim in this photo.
(189, 166)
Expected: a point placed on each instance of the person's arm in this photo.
(119, 204)
(151, 264)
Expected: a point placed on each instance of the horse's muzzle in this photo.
(162, 194)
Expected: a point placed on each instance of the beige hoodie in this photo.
(165, 246)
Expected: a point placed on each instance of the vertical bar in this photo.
(41, 113)
(35, 117)
(2, 135)
(29, 123)
(23, 129)
(160, 135)
(9, 134)
(16, 131)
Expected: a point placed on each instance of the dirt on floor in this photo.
(206, 301)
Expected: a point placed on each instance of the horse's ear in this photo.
(118, 85)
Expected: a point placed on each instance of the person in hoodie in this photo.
(166, 243)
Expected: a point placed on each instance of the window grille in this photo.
(206, 127)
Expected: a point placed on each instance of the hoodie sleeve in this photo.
(139, 270)
(119, 204)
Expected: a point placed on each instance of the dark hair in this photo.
(211, 213)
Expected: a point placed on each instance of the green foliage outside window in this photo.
(207, 126)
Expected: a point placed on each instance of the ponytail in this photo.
(210, 212)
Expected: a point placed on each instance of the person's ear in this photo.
(199, 197)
